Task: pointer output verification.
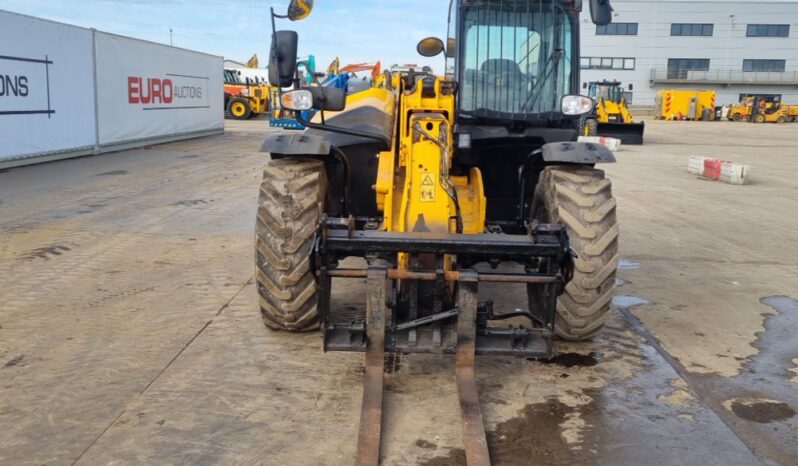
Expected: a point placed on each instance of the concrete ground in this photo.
(130, 333)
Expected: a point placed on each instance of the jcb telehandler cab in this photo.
(435, 181)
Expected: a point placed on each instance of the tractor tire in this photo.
(782, 119)
(239, 109)
(759, 118)
(589, 127)
(736, 117)
(290, 204)
(581, 199)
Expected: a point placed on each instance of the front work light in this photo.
(297, 100)
(574, 105)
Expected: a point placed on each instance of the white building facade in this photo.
(733, 47)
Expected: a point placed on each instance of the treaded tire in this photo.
(581, 198)
(589, 128)
(290, 204)
(239, 103)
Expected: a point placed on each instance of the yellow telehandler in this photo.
(435, 181)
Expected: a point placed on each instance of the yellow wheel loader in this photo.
(610, 116)
(244, 99)
(751, 104)
(434, 182)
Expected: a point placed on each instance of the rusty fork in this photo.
(368, 442)
(368, 446)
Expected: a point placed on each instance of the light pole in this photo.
(170, 37)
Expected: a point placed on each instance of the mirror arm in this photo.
(335, 129)
(274, 43)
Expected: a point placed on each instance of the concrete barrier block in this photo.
(695, 164)
(611, 143)
(734, 173)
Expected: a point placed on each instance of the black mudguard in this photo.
(586, 153)
(296, 144)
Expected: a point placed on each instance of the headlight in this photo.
(245, 92)
(576, 105)
(297, 100)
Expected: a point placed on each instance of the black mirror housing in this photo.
(601, 12)
(282, 58)
(328, 98)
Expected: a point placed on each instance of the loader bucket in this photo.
(628, 133)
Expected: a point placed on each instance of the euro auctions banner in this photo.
(46, 87)
(147, 90)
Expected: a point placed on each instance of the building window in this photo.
(768, 30)
(607, 63)
(628, 96)
(617, 29)
(679, 67)
(692, 29)
(765, 65)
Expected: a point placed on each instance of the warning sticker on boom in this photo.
(427, 188)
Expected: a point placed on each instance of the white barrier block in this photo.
(734, 173)
(695, 165)
(611, 143)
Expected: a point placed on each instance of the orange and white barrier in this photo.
(719, 170)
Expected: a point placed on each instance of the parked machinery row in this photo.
(763, 108)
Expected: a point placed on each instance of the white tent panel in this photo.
(147, 90)
(46, 87)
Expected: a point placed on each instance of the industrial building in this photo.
(732, 47)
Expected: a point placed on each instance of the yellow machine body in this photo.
(777, 114)
(414, 188)
(744, 111)
(684, 104)
(611, 116)
(609, 111)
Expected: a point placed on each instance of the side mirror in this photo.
(282, 58)
(451, 44)
(328, 98)
(430, 46)
(299, 9)
(601, 12)
(631, 87)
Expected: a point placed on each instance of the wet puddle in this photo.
(626, 301)
(761, 411)
(762, 400)
(572, 360)
(626, 264)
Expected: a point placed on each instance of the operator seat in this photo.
(505, 83)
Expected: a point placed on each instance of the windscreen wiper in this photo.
(534, 93)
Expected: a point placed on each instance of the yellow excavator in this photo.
(442, 184)
(610, 116)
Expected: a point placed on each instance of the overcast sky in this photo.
(355, 30)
